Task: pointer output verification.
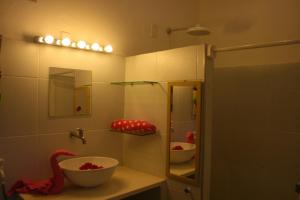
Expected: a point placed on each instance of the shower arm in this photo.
(170, 30)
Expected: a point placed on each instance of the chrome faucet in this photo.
(78, 134)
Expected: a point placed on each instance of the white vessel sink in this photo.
(180, 156)
(91, 177)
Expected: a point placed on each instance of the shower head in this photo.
(194, 30)
(198, 30)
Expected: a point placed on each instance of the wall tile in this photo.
(142, 67)
(147, 102)
(144, 153)
(104, 67)
(104, 110)
(18, 107)
(108, 104)
(177, 64)
(19, 58)
(20, 157)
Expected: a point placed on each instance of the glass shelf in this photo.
(134, 83)
(136, 134)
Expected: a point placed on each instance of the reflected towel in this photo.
(190, 137)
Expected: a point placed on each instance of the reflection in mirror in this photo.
(183, 131)
(69, 92)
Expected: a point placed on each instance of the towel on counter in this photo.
(52, 185)
(138, 127)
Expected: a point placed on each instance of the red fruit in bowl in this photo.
(177, 147)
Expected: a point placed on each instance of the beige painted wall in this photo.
(149, 102)
(124, 24)
(28, 135)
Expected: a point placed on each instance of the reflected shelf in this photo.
(134, 83)
(183, 169)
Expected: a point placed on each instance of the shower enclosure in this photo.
(256, 122)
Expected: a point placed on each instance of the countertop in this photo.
(125, 182)
(183, 169)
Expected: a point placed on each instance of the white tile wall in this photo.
(19, 58)
(27, 134)
(20, 156)
(18, 107)
(178, 64)
(142, 67)
(150, 102)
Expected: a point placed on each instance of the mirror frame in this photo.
(199, 135)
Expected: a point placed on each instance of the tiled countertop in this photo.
(125, 182)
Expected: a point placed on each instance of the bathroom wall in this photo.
(28, 135)
(149, 102)
(131, 26)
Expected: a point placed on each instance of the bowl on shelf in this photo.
(88, 177)
(184, 153)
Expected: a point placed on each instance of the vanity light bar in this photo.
(67, 42)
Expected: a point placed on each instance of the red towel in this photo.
(133, 126)
(52, 185)
(190, 137)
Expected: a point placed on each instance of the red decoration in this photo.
(88, 165)
(177, 147)
(51, 185)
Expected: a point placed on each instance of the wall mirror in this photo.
(69, 92)
(183, 143)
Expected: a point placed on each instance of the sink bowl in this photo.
(180, 156)
(91, 177)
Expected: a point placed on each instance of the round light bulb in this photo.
(81, 44)
(41, 39)
(66, 42)
(49, 39)
(73, 44)
(108, 48)
(95, 46)
(58, 42)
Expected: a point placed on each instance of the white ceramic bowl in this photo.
(180, 156)
(88, 178)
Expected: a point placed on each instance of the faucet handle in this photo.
(80, 131)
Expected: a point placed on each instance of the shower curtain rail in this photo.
(255, 46)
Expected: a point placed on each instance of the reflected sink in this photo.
(90, 177)
(180, 156)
